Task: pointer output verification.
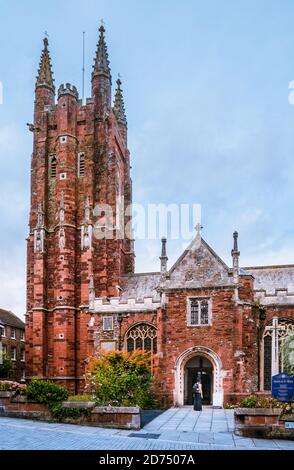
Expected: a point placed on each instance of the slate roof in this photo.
(199, 266)
(270, 278)
(9, 318)
(139, 286)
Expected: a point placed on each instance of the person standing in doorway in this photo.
(197, 393)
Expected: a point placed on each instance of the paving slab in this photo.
(204, 431)
(206, 437)
(189, 436)
(265, 443)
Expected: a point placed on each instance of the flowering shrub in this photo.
(121, 379)
(10, 386)
(260, 402)
(266, 402)
(288, 408)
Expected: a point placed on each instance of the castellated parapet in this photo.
(68, 89)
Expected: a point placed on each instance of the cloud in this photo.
(14, 195)
(12, 280)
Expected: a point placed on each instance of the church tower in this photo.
(80, 176)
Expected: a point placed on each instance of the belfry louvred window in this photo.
(81, 164)
(53, 166)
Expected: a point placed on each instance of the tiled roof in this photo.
(9, 318)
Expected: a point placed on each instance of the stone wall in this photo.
(107, 417)
(263, 423)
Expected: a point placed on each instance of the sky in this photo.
(206, 88)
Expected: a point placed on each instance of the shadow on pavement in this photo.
(148, 415)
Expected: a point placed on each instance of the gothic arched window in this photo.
(274, 354)
(141, 337)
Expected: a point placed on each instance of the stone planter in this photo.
(18, 406)
(256, 422)
(101, 416)
(116, 417)
(20, 399)
(284, 430)
(5, 398)
(6, 394)
(78, 404)
(119, 417)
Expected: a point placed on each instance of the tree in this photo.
(289, 353)
(5, 367)
(121, 379)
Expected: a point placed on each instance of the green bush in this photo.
(229, 406)
(289, 353)
(266, 402)
(59, 413)
(45, 391)
(5, 367)
(260, 402)
(121, 379)
(249, 402)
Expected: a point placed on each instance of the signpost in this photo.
(283, 387)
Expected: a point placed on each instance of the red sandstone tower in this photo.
(80, 160)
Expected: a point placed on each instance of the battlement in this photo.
(115, 304)
(68, 89)
(283, 296)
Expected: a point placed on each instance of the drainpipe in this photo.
(119, 321)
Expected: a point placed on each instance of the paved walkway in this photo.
(176, 428)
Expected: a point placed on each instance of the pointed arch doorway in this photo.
(206, 361)
(198, 365)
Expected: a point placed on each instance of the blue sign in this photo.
(289, 424)
(283, 387)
